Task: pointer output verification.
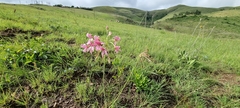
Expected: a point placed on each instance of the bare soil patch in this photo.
(225, 80)
(229, 79)
(13, 32)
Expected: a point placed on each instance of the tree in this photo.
(197, 12)
(58, 5)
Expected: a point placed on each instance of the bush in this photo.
(58, 5)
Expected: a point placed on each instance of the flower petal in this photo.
(117, 48)
(89, 35)
(117, 38)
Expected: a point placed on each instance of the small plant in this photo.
(48, 75)
(81, 90)
(140, 80)
(21, 58)
(186, 60)
(95, 44)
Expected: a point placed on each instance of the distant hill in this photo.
(126, 15)
(183, 8)
(182, 18)
(137, 16)
(132, 15)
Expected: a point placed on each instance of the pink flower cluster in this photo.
(95, 44)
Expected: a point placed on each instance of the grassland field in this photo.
(194, 64)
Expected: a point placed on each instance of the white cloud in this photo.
(157, 4)
(140, 4)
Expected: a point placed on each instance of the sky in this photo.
(139, 4)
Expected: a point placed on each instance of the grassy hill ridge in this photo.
(138, 15)
(177, 18)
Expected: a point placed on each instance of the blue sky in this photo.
(140, 4)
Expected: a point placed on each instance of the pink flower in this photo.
(103, 52)
(117, 48)
(89, 35)
(90, 49)
(98, 43)
(95, 44)
(98, 48)
(96, 38)
(90, 42)
(117, 38)
(85, 47)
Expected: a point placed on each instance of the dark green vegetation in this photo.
(42, 64)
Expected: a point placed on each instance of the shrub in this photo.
(58, 5)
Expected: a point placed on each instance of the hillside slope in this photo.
(129, 15)
(216, 22)
(147, 18)
(183, 8)
(66, 57)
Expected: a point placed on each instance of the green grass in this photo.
(225, 21)
(123, 15)
(224, 27)
(183, 8)
(42, 64)
(225, 13)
